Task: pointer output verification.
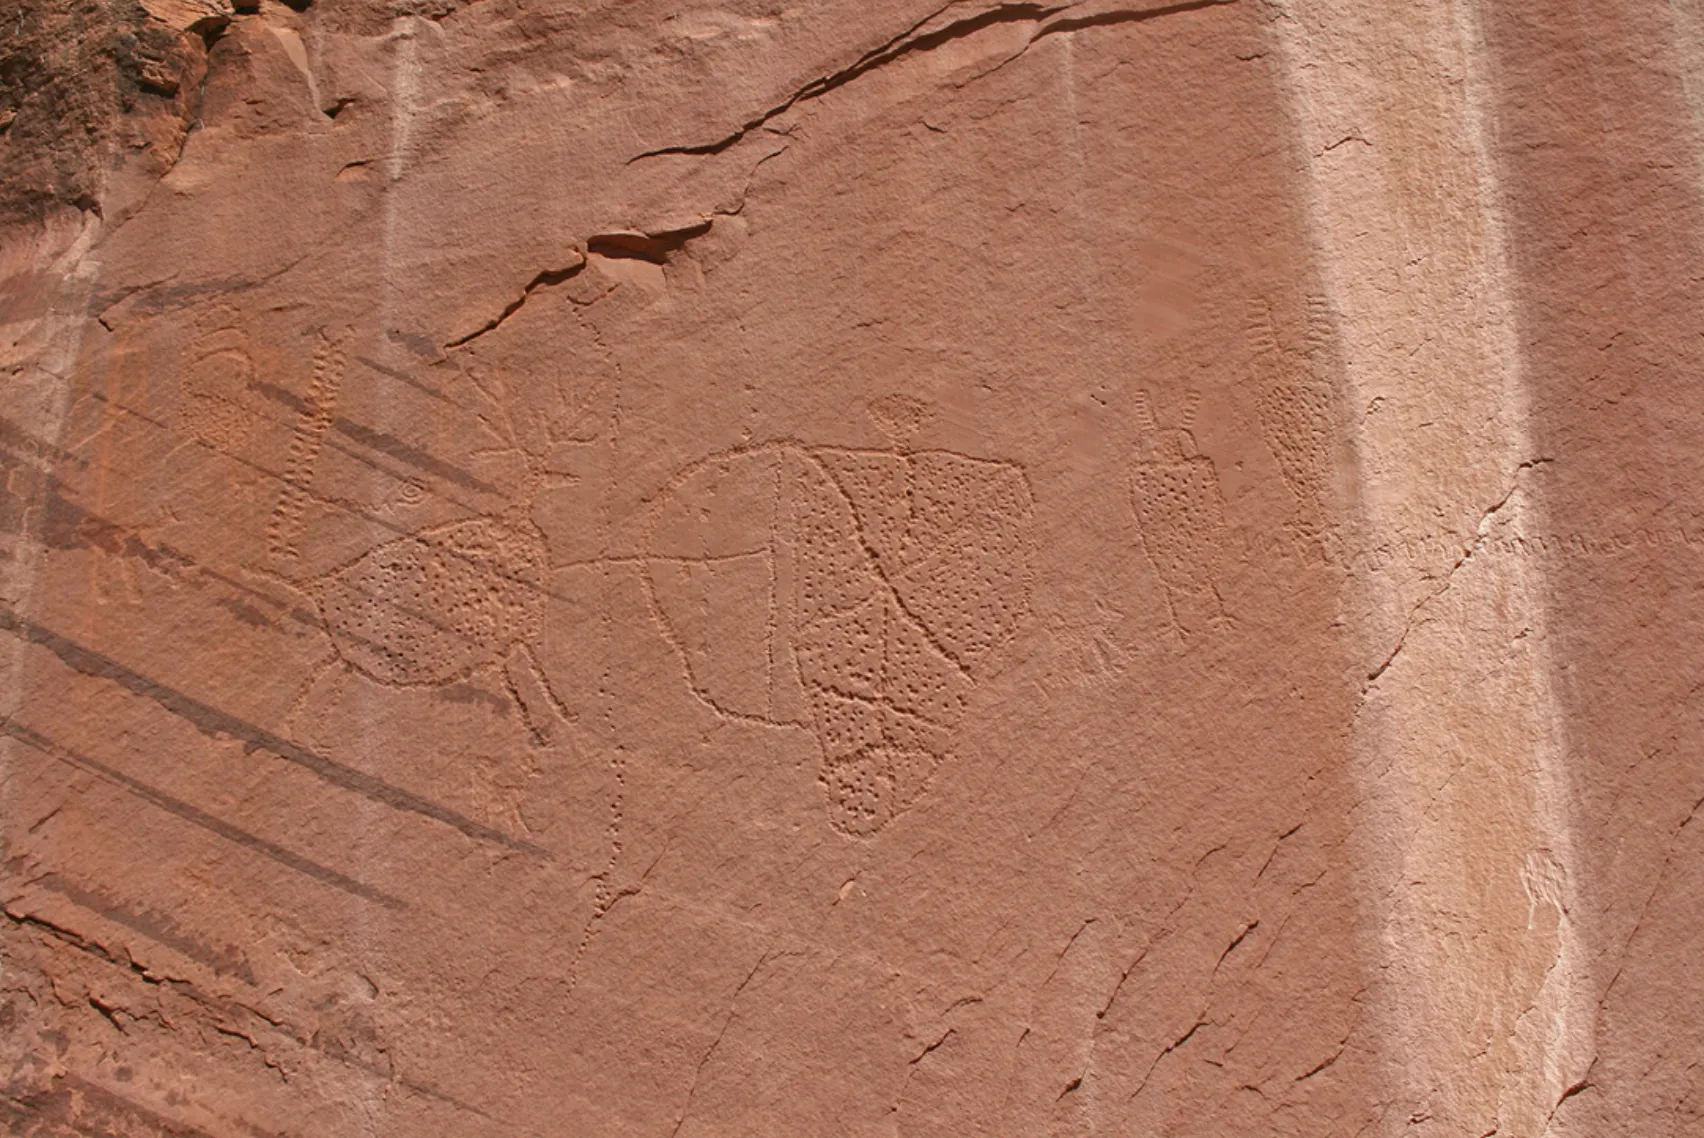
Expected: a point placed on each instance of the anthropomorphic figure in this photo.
(1296, 403)
(1175, 491)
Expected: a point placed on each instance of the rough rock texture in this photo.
(893, 569)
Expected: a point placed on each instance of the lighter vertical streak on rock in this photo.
(1554, 1044)
(404, 98)
(1687, 17)
(1464, 833)
(37, 355)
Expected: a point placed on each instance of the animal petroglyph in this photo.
(1175, 491)
(1296, 402)
(453, 604)
(442, 629)
(429, 608)
(859, 593)
(433, 607)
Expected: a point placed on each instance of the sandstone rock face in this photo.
(890, 570)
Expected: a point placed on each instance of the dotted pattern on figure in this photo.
(428, 608)
(1175, 492)
(1296, 403)
(888, 581)
(431, 607)
(214, 401)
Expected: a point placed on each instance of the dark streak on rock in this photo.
(198, 817)
(157, 927)
(386, 444)
(213, 721)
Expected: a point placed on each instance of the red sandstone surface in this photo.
(891, 570)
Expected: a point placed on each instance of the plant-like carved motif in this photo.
(429, 608)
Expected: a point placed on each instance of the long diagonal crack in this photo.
(1478, 543)
(545, 279)
(915, 39)
(727, 1021)
(656, 247)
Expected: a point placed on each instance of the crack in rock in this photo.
(1482, 532)
(655, 248)
(547, 278)
(915, 39)
(1179, 1042)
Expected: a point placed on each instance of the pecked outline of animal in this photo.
(855, 557)
(431, 608)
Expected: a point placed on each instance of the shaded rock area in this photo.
(96, 100)
(892, 570)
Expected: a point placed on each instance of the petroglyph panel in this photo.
(860, 592)
(850, 570)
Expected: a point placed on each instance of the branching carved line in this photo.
(882, 724)
(886, 582)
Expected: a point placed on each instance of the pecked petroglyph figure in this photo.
(859, 593)
(215, 403)
(1175, 492)
(429, 608)
(464, 604)
(1296, 401)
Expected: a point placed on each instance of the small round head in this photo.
(900, 417)
(1172, 445)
